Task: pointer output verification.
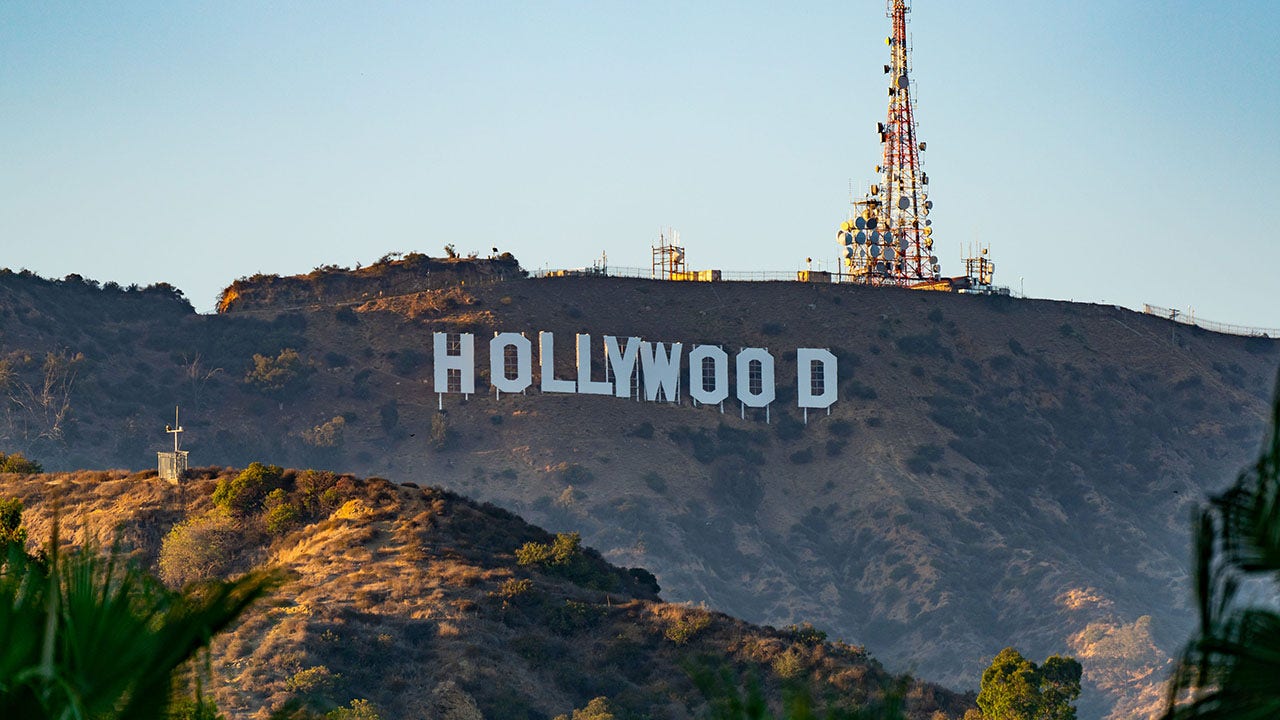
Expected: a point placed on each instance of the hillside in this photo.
(413, 600)
(996, 471)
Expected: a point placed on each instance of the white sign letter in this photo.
(763, 376)
(464, 362)
(698, 376)
(546, 356)
(498, 362)
(816, 378)
(587, 386)
(622, 362)
(661, 370)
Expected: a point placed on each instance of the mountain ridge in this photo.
(996, 471)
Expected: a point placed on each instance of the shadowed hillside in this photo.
(996, 471)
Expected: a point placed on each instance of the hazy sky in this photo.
(1108, 151)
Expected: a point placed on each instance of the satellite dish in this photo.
(927, 223)
(848, 252)
(922, 146)
(888, 237)
(871, 224)
(902, 81)
(875, 189)
(928, 242)
(880, 267)
(846, 239)
(903, 243)
(888, 252)
(928, 204)
(928, 231)
(904, 203)
(933, 260)
(875, 237)
(875, 251)
(860, 222)
(860, 238)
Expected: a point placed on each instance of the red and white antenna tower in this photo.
(888, 241)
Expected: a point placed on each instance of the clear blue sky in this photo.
(1117, 152)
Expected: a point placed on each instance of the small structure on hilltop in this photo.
(669, 261)
(173, 465)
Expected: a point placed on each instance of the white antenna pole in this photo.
(175, 429)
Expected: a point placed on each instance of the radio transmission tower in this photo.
(888, 241)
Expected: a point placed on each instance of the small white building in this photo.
(173, 465)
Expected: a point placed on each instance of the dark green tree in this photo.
(1014, 688)
(1231, 667)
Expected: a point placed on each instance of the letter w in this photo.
(661, 370)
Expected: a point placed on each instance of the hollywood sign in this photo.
(633, 367)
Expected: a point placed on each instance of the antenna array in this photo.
(889, 238)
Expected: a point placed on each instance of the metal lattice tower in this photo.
(888, 241)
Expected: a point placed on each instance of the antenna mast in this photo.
(174, 429)
(889, 239)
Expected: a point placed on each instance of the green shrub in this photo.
(281, 515)
(597, 709)
(312, 680)
(533, 553)
(513, 588)
(326, 435)
(359, 709)
(687, 627)
(11, 530)
(806, 633)
(281, 375)
(788, 665)
(201, 548)
(16, 463)
(242, 494)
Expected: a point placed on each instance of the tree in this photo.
(1229, 668)
(1014, 688)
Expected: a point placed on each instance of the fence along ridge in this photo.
(1190, 319)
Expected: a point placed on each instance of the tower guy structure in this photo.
(889, 239)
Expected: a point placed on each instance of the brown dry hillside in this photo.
(997, 471)
(412, 600)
